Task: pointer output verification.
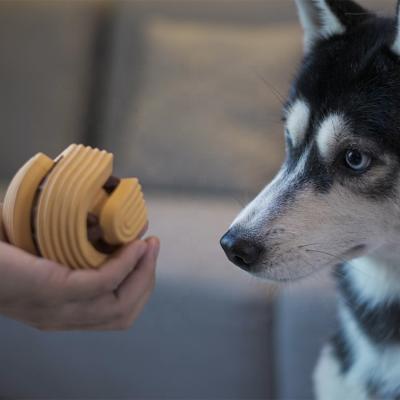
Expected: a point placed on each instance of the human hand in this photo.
(50, 296)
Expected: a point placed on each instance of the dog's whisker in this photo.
(239, 201)
(274, 91)
(341, 260)
(309, 244)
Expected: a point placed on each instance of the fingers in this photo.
(125, 321)
(143, 276)
(120, 311)
(114, 311)
(88, 284)
(135, 291)
(106, 299)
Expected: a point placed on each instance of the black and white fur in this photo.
(319, 211)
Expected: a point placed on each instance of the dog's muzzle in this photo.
(242, 251)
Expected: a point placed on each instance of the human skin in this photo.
(50, 296)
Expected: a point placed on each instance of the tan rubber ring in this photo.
(48, 202)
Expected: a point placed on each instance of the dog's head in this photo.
(337, 194)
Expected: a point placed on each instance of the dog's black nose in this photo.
(242, 252)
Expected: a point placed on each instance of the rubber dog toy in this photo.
(71, 209)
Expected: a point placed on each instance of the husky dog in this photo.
(336, 199)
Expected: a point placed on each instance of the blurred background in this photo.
(187, 94)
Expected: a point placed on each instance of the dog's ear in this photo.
(396, 43)
(324, 18)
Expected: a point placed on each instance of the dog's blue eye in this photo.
(357, 160)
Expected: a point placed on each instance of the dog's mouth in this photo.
(272, 274)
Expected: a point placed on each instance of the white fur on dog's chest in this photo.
(376, 280)
(379, 363)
